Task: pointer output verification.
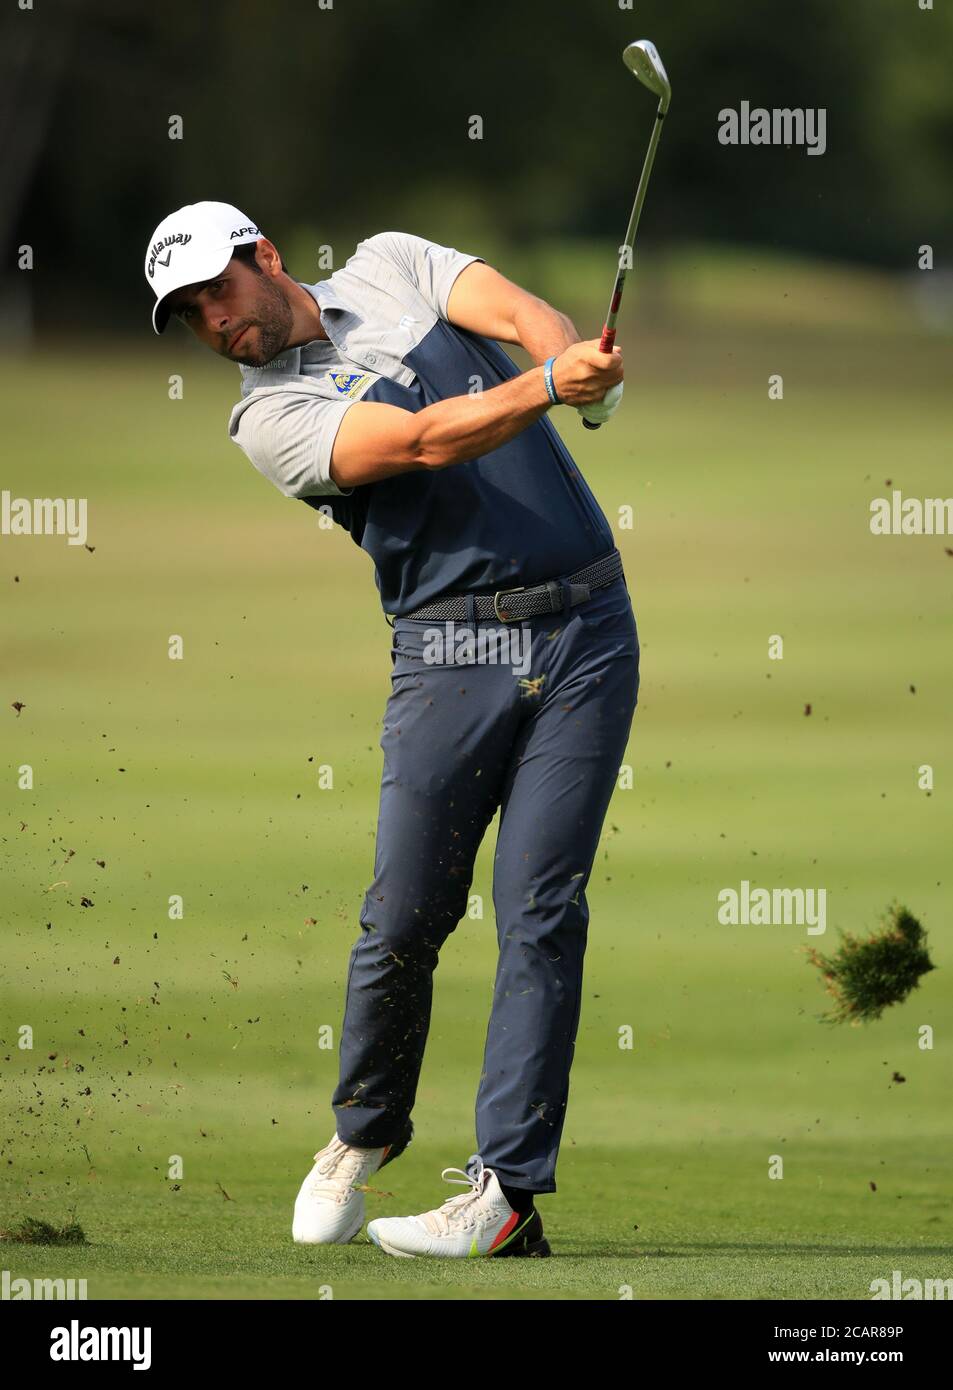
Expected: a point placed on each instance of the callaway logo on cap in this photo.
(191, 245)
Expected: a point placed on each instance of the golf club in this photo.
(642, 59)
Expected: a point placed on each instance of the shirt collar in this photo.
(337, 317)
(340, 319)
(325, 297)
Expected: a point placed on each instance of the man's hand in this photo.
(582, 374)
(601, 411)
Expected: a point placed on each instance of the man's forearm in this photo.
(375, 441)
(542, 330)
(463, 427)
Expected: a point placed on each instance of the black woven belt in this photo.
(511, 605)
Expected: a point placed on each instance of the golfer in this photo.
(381, 395)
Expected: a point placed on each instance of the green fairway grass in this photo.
(199, 1037)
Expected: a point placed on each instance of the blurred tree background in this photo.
(327, 124)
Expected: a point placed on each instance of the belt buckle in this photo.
(496, 603)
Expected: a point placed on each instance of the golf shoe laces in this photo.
(462, 1211)
(339, 1167)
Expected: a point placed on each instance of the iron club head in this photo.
(643, 59)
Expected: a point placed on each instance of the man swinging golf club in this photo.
(382, 395)
(357, 396)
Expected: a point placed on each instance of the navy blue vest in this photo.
(518, 515)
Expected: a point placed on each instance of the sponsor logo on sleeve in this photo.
(349, 384)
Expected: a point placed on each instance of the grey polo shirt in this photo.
(517, 515)
(382, 304)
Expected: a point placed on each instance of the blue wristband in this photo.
(550, 384)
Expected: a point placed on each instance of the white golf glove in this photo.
(598, 412)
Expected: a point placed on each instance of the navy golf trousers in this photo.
(459, 742)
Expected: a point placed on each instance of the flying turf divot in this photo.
(865, 976)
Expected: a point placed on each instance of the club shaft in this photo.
(609, 329)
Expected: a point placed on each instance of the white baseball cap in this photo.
(193, 244)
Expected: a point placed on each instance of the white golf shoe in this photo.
(329, 1209)
(478, 1222)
